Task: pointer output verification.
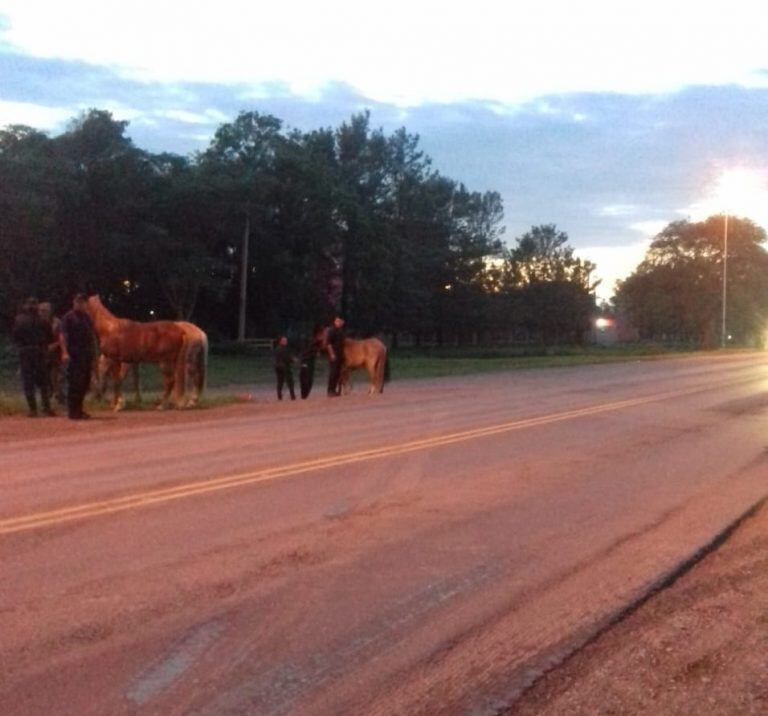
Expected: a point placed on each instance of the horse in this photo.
(367, 353)
(124, 341)
(196, 368)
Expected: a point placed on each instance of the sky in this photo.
(608, 119)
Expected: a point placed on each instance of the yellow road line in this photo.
(151, 497)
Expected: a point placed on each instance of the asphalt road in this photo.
(427, 551)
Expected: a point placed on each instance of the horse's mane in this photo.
(98, 304)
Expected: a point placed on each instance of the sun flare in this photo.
(739, 192)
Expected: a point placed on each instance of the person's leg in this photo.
(78, 378)
(56, 382)
(280, 382)
(27, 369)
(72, 388)
(333, 377)
(85, 384)
(43, 382)
(289, 380)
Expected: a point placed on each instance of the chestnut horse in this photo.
(124, 341)
(367, 353)
(195, 371)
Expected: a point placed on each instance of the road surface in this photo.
(428, 551)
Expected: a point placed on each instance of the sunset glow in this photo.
(739, 192)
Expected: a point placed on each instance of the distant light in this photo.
(603, 323)
(151, 312)
(448, 286)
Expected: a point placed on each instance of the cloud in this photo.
(209, 116)
(406, 53)
(34, 115)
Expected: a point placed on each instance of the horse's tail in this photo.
(180, 369)
(383, 368)
(202, 363)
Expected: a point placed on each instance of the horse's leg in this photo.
(167, 369)
(345, 380)
(370, 369)
(118, 373)
(134, 367)
(382, 365)
(97, 379)
(378, 371)
(99, 375)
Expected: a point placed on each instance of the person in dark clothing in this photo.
(32, 336)
(283, 370)
(78, 343)
(307, 367)
(335, 347)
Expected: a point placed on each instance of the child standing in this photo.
(283, 370)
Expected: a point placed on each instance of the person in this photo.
(335, 346)
(32, 337)
(78, 342)
(307, 359)
(283, 360)
(54, 367)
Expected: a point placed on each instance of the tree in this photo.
(555, 288)
(29, 174)
(240, 164)
(676, 292)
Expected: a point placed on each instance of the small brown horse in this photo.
(124, 341)
(367, 353)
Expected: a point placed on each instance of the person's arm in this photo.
(55, 343)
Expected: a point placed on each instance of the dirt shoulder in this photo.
(698, 647)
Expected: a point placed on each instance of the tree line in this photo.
(347, 219)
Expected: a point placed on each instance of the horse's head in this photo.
(101, 316)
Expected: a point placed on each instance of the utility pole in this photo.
(243, 278)
(724, 336)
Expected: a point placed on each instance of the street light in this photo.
(724, 335)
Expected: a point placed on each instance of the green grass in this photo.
(437, 362)
(232, 367)
(237, 369)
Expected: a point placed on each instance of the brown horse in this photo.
(124, 341)
(195, 371)
(367, 353)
